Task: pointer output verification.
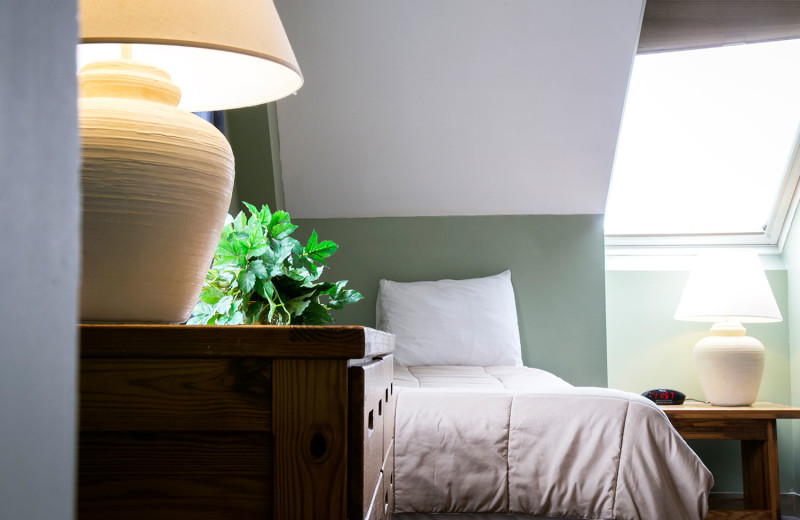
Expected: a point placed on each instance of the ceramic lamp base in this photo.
(156, 183)
(729, 365)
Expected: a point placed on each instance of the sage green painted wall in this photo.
(647, 349)
(556, 262)
(253, 135)
(791, 259)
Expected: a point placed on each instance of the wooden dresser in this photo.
(242, 422)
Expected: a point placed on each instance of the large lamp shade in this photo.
(156, 179)
(220, 54)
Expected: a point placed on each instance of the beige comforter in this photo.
(521, 440)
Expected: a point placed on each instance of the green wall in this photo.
(556, 262)
(791, 258)
(647, 349)
(253, 135)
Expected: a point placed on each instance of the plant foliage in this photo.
(261, 274)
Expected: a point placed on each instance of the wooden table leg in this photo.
(760, 472)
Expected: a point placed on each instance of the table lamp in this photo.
(728, 288)
(156, 179)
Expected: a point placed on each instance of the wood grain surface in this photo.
(720, 429)
(760, 471)
(174, 476)
(367, 424)
(285, 341)
(175, 394)
(759, 410)
(310, 424)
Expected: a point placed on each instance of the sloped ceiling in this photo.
(454, 107)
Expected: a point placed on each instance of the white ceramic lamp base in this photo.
(730, 365)
(156, 184)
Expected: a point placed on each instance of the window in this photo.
(707, 146)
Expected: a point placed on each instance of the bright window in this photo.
(707, 142)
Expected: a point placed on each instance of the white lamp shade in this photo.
(728, 285)
(220, 54)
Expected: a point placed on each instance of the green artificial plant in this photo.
(260, 274)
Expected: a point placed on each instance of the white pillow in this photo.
(451, 322)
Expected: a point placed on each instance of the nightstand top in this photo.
(758, 410)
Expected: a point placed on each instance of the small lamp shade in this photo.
(220, 54)
(728, 288)
(728, 285)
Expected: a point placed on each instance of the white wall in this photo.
(454, 107)
(39, 254)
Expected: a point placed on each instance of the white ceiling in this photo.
(454, 107)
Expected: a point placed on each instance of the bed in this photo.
(479, 436)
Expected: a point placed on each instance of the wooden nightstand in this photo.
(242, 422)
(755, 427)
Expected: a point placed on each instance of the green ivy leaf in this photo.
(280, 217)
(271, 313)
(326, 287)
(296, 306)
(343, 298)
(255, 236)
(257, 251)
(265, 289)
(258, 268)
(297, 247)
(223, 306)
(239, 221)
(283, 248)
(225, 248)
(322, 250)
(282, 230)
(252, 209)
(204, 308)
(212, 295)
(312, 270)
(297, 274)
(316, 314)
(246, 281)
(312, 241)
(240, 247)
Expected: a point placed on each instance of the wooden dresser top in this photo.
(210, 341)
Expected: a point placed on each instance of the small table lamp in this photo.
(156, 179)
(728, 288)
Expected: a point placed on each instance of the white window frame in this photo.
(770, 241)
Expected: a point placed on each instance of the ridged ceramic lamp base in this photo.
(730, 367)
(156, 184)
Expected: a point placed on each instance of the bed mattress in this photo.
(517, 440)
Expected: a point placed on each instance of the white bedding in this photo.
(520, 440)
